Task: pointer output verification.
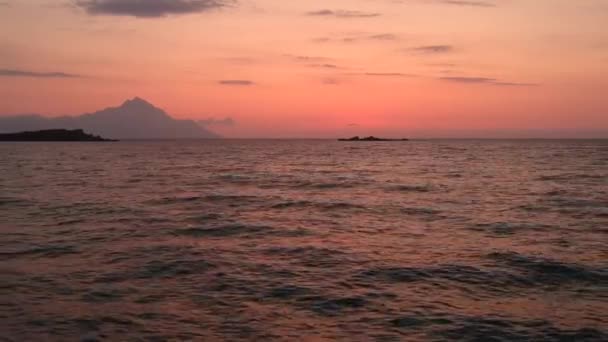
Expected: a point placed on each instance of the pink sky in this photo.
(317, 68)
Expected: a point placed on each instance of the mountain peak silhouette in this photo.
(134, 119)
(137, 102)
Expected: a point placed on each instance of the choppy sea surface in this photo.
(304, 240)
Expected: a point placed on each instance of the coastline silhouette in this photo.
(52, 135)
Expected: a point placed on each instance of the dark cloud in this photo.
(217, 122)
(343, 14)
(4, 4)
(485, 80)
(236, 82)
(149, 8)
(467, 3)
(27, 73)
(433, 49)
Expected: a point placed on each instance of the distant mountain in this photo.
(134, 119)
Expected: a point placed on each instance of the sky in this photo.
(277, 68)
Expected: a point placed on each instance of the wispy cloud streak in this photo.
(35, 74)
(486, 80)
(433, 49)
(468, 3)
(342, 14)
(236, 82)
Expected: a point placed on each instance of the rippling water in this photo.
(296, 240)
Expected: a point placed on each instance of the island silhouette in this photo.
(371, 138)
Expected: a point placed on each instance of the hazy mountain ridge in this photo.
(134, 119)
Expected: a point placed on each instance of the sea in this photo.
(304, 240)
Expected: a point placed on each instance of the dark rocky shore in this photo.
(52, 135)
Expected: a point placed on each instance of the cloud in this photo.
(4, 4)
(388, 74)
(354, 38)
(331, 81)
(515, 84)
(324, 66)
(442, 65)
(36, 74)
(314, 61)
(149, 8)
(217, 122)
(468, 79)
(467, 3)
(381, 74)
(461, 3)
(342, 14)
(239, 60)
(433, 49)
(383, 36)
(310, 59)
(236, 82)
(485, 80)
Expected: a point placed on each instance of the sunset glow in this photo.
(421, 68)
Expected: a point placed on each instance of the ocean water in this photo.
(304, 240)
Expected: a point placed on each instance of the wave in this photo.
(410, 188)
(318, 205)
(310, 256)
(508, 228)
(288, 292)
(50, 251)
(223, 231)
(168, 268)
(489, 279)
(490, 328)
(429, 213)
(238, 230)
(14, 201)
(237, 178)
(327, 185)
(334, 306)
(106, 295)
(550, 272)
(204, 198)
(521, 272)
(311, 300)
(572, 176)
(564, 202)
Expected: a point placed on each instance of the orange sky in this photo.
(317, 68)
